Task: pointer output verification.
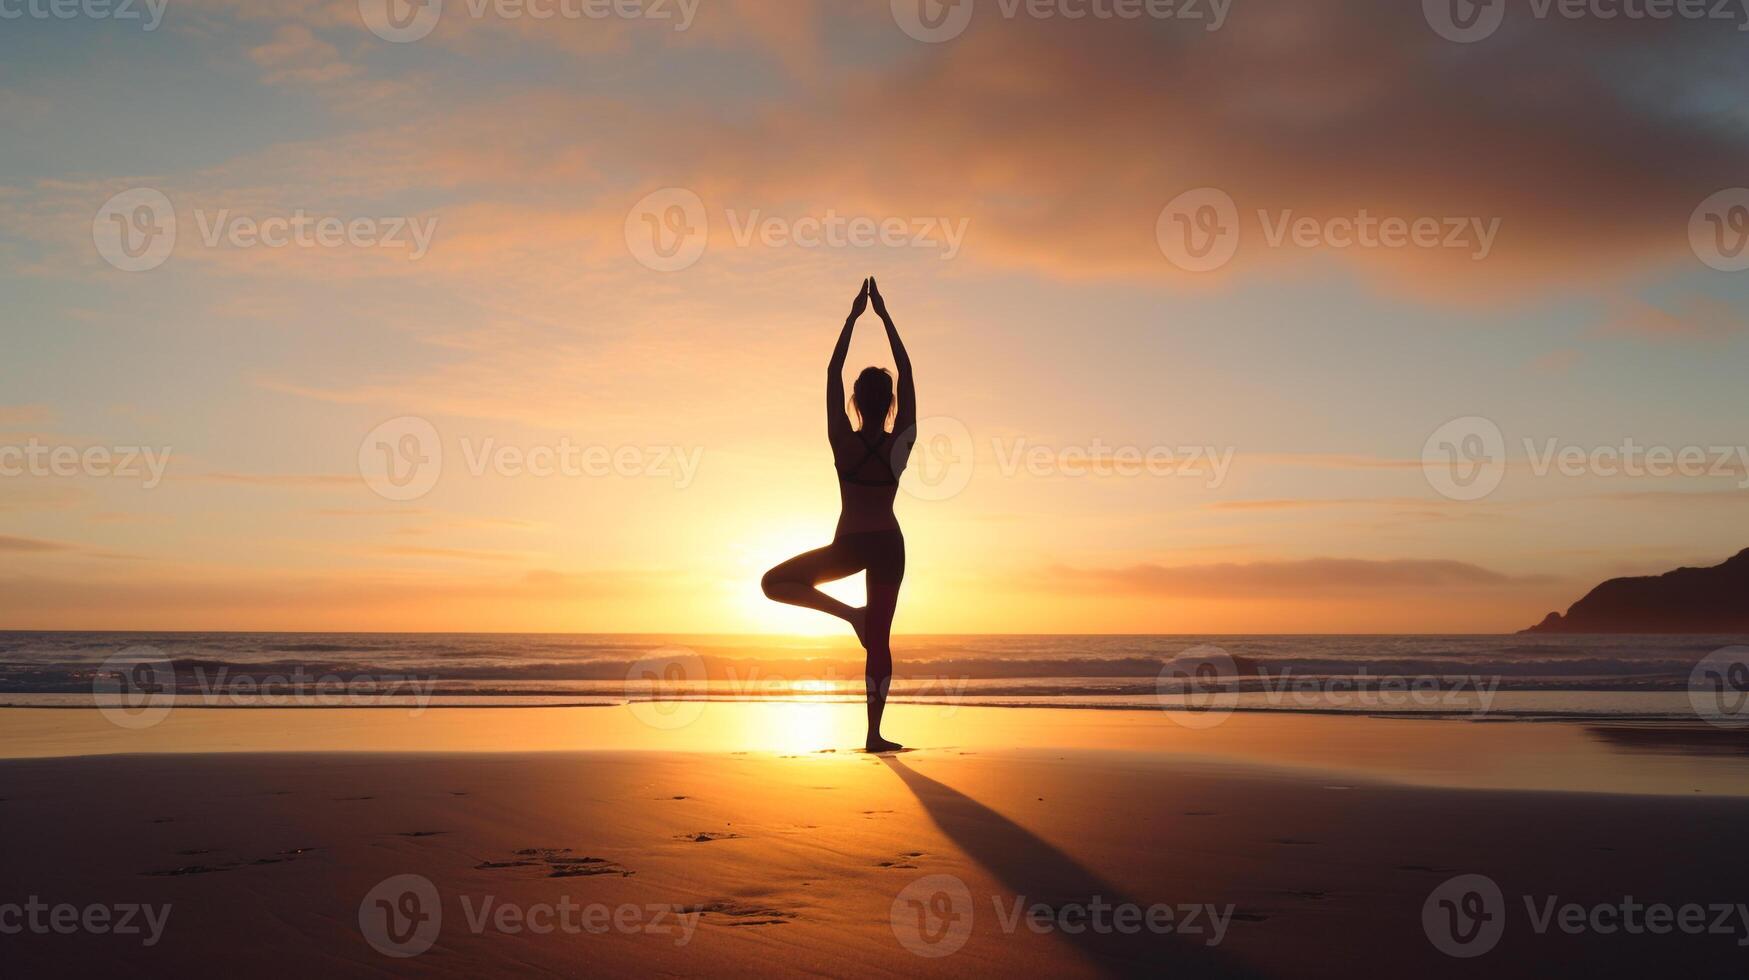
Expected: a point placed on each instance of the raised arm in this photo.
(906, 417)
(837, 422)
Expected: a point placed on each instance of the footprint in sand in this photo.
(738, 914)
(279, 857)
(584, 867)
(189, 869)
(706, 836)
(902, 862)
(560, 862)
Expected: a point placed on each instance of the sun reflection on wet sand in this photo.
(1502, 755)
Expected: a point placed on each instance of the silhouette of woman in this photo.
(869, 459)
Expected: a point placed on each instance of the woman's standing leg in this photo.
(883, 599)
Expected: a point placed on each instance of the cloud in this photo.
(296, 55)
(313, 480)
(463, 554)
(26, 415)
(1691, 318)
(39, 495)
(1558, 361)
(1295, 579)
(1315, 504)
(31, 545)
(212, 598)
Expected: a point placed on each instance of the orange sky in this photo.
(598, 265)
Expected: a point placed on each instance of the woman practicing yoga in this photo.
(869, 459)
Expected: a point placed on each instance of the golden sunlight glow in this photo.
(811, 727)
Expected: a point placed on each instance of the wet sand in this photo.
(1307, 846)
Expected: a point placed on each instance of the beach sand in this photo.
(733, 845)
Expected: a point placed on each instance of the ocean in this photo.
(1494, 677)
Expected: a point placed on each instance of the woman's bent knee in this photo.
(772, 582)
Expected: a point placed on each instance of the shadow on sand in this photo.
(1028, 866)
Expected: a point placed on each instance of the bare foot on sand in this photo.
(882, 745)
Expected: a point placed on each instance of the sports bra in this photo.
(873, 452)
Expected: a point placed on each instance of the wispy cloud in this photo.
(1303, 578)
